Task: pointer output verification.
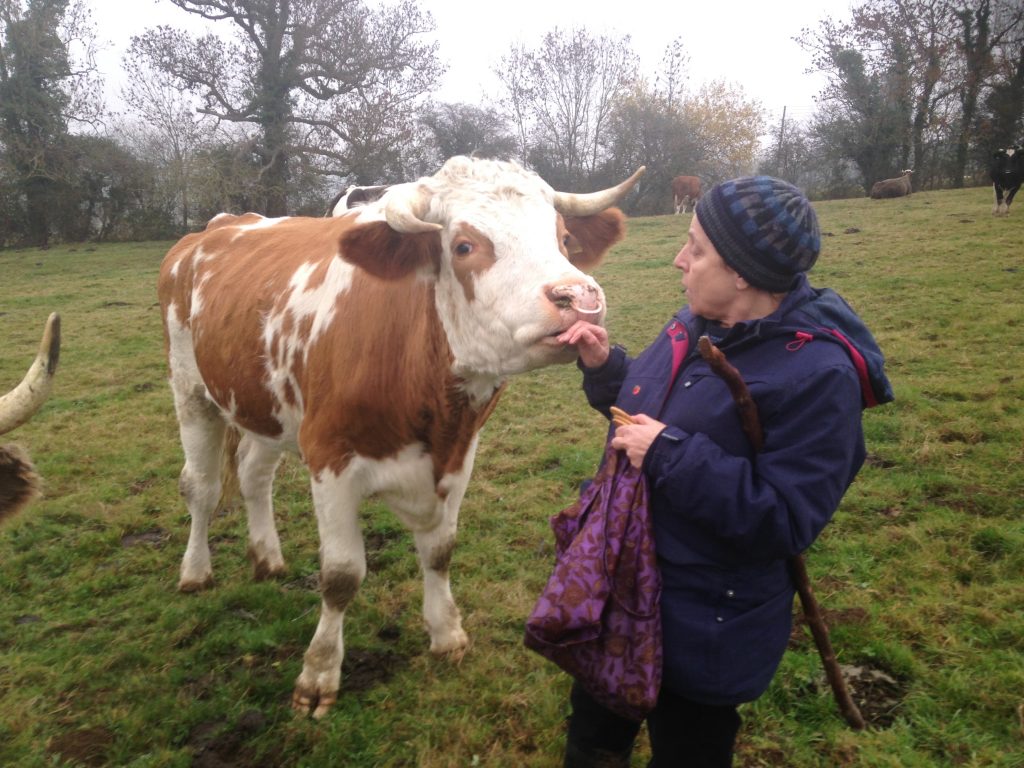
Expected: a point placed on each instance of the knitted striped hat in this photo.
(764, 228)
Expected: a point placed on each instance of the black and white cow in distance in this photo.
(1007, 172)
(353, 197)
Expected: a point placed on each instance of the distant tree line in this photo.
(282, 104)
(932, 85)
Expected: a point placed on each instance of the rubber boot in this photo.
(598, 758)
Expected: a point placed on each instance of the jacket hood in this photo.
(825, 314)
(820, 313)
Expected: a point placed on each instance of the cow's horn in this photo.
(588, 204)
(18, 405)
(404, 208)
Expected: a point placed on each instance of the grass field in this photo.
(921, 573)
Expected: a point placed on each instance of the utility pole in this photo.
(782, 138)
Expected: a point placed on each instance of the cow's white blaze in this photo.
(507, 326)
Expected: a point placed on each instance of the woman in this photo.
(726, 520)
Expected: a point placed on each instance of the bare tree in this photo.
(309, 74)
(560, 96)
(712, 133)
(168, 125)
(1002, 124)
(646, 129)
(465, 129)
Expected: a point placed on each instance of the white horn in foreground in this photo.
(18, 405)
(588, 204)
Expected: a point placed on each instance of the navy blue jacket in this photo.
(726, 520)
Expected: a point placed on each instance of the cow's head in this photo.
(507, 254)
(18, 478)
(1007, 160)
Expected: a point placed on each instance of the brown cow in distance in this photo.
(685, 193)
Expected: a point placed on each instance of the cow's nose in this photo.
(584, 298)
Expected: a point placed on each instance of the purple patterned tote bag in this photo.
(598, 617)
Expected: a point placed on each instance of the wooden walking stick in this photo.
(797, 566)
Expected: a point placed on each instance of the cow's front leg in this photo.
(1009, 199)
(342, 569)
(435, 545)
(441, 615)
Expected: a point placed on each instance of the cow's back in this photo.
(294, 343)
(686, 185)
(223, 284)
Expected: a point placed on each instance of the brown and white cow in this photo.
(685, 193)
(375, 345)
(19, 482)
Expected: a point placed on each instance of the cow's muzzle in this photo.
(585, 300)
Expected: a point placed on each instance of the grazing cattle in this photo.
(1007, 173)
(898, 187)
(375, 345)
(19, 482)
(685, 193)
(353, 197)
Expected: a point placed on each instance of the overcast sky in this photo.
(745, 42)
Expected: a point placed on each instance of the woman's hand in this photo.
(637, 437)
(591, 342)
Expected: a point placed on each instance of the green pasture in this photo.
(921, 573)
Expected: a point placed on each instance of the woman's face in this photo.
(711, 286)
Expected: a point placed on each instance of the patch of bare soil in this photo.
(363, 669)
(377, 543)
(215, 745)
(748, 756)
(877, 694)
(141, 486)
(156, 537)
(86, 746)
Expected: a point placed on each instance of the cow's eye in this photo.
(565, 240)
(463, 249)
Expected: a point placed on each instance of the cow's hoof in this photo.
(453, 648)
(263, 570)
(266, 563)
(308, 703)
(195, 585)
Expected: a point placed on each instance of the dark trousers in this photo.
(683, 734)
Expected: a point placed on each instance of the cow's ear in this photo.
(594, 235)
(390, 255)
